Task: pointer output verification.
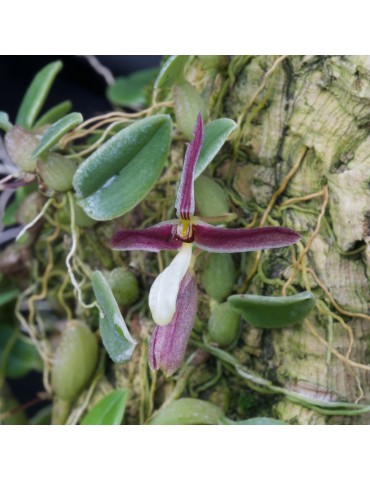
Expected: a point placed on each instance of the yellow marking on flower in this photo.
(185, 224)
(184, 231)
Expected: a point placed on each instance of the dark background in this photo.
(80, 83)
(77, 81)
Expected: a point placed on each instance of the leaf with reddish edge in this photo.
(217, 239)
(185, 197)
(168, 344)
(152, 239)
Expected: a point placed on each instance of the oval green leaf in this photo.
(188, 104)
(219, 275)
(4, 122)
(215, 135)
(261, 421)
(114, 333)
(188, 411)
(171, 71)
(130, 91)
(109, 410)
(75, 360)
(22, 357)
(55, 113)
(210, 198)
(56, 132)
(273, 312)
(36, 94)
(116, 177)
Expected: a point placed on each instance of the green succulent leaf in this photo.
(116, 177)
(215, 135)
(114, 333)
(5, 124)
(56, 132)
(261, 421)
(36, 94)
(171, 71)
(273, 312)
(223, 325)
(109, 410)
(8, 296)
(55, 113)
(21, 356)
(188, 104)
(210, 198)
(130, 91)
(188, 411)
(219, 275)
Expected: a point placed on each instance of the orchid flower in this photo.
(172, 297)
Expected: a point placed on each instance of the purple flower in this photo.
(168, 343)
(172, 299)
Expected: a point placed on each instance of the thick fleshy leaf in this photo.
(273, 312)
(261, 421)
(218, 239)
(185, 197)
(224, 325)
(75, 360)
(56, 132)
(219, 275)
(215, 135)
(109, 410)
(20, 143)
(211, 199)
(130, 91)
(168, 343)
(115, 336)
(171, 71)
(36, 94)
(116, 177)
(189, 411)
(164, 291)
(4, 122)
(21, 356)
(188, 104)
(152, 239)
(55, 113)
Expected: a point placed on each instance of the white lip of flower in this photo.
(164, 291)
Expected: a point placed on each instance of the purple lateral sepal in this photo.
(218, 239)
(185, 197)
(152, 239)
(168, 344)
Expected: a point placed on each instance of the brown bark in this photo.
(316, 111)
